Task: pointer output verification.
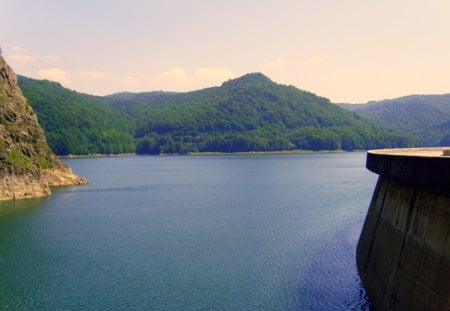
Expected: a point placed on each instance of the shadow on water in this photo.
(20, 207)
(14, 214)
(331, 281)
(16, 244)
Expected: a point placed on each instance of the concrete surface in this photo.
(403, 254)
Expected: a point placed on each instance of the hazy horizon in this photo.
(213, 86)
(349, 52)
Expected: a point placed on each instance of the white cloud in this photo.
(19, 49)
(173, 79)
(211, 76)
(21, 57)
(18, 66)
(130, 80)
(93, 74)
(274, 65)
(55, 74)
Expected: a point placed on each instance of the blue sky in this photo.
(348, 51)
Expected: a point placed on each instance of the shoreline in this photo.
(212, 153)
(263, 152)
(95, 155)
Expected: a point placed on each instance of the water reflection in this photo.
(188, 233)
(20, 207)
(331, 280)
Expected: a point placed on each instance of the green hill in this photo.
(76, 123)
(426, 117)
(250, 113)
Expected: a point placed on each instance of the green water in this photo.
(270, 232)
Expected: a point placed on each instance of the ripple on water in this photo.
(331, 281)
(231, 233)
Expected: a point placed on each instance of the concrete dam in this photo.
(403, 254)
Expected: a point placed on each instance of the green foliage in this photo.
(44, 163)
(426, 117)
(17, 159)
(77, 123)
(247, 114)
(250, 113)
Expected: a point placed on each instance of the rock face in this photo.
(28, 168)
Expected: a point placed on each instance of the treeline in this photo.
(77, 123)
(248, 114)
(426, 117)
(307, 138)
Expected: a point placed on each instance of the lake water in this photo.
(266, 232)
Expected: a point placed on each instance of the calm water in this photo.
(275, 232)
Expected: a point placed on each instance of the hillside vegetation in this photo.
(76, 123)
(427, 117)
(250, 113)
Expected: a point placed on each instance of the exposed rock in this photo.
(28, 168)
(62, 176)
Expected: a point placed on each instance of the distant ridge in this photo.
(249, 78)
(249, 113)
(77, 123)
(426, 117)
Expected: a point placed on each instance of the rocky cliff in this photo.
(28, 168)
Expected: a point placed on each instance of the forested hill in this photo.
(76, 123)
(426, 117)
(250, 113)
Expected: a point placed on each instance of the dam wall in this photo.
(403, 253)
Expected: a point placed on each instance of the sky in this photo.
(350, 51)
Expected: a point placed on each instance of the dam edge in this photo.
(403, 253)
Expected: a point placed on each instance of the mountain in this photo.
(77, 123)
(28, 168)
(250, 113)
(426, 117)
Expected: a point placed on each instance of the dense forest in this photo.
(426, 117)
(76, 123)
(250, 113)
